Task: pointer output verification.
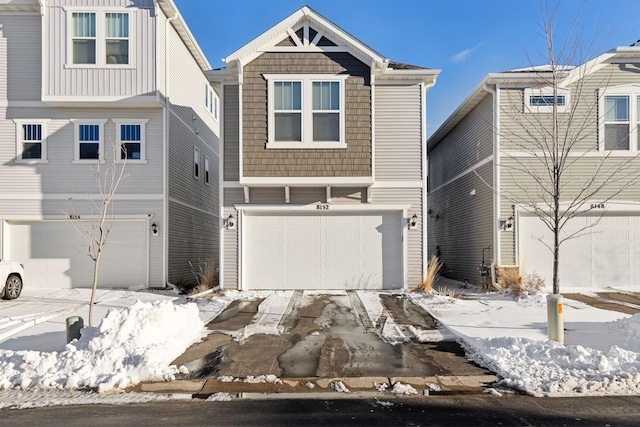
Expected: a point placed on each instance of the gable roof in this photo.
(528, 76)
(308, 31)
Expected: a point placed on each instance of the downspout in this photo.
(165, 156)
(496, 183)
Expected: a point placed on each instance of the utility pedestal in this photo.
(555, 318)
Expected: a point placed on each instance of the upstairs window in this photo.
(84, 37)
(541, 100)
(616, 122)
(206, 170)
(31, 143)
(131, 139)
(211, 101)
(196, 162)
(306, 111)
(619, 118)
(117, 38)
(89, 140)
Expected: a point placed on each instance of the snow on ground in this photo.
(140, 333)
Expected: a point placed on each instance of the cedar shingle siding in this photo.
(259, 161)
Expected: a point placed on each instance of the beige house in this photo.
(478, 180)
(76, 78)
(323, 172)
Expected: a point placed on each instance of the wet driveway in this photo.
(302, 335)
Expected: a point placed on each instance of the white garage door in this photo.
(607, 255)
(52, 254)
(322, 251)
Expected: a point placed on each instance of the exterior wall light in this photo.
(506, 224)
(154, 229)
(230, 222)
(413, 221)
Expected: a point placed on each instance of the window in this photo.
(89, 140)
(31, 142)
(196, 162)
(540, 100)
(84, 37)
(99, 38)
(306, 111)
(211, 101)
(616, 122)
(117, 38)
(131, 138)
(206, 169)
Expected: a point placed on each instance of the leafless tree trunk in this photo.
(95, 232)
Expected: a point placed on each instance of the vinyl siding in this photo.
(470, 142)
(232, 196)
(259, 161)
(461, 225)
(231, 130)
(398, 132)
(137, 78)
(20, 73)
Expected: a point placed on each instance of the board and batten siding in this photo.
(64, 79)
(20, 53)
(398, 132)
(231, 129)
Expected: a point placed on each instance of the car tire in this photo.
(13, 287)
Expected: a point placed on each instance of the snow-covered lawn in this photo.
(140, 333)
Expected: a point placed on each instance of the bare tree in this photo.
(541, 153)
(95, 232)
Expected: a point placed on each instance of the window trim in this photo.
(633, 93)
(196, 163)
(307, 81)
(19, 141)
(211, 101)
(76, 140)
(206, 170)
(100, 38)
(543, 92)
(143, 139)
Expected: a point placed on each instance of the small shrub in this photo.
(531, 282)
(206, 276)
(508, 276)
(433, 268)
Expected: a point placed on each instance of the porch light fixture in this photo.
(413, 221)
(231, 222)
(154, 229)
(506, 224)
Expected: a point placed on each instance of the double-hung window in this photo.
(31, 142)
(306, 111)
(99, 38)
(131, 139)
(619, 109)
(206, 170)
(84, 37)
(89, 141)
(196, 162)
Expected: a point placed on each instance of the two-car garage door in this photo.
(52, 254)
(605, 255)
(345, 250)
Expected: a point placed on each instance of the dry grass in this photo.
(508, 276)
(433, 268)
(206, 275)
(531, 282)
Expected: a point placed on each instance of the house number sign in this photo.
(74, 216)
(322, 206)
(597, 206)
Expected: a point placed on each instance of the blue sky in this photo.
(465, 39)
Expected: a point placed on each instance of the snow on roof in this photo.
(541, 69)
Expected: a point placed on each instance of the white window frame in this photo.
(20, 141)
(119, 38)
(206, 170)
(76, 140)
(633, 92)
(530, 93)
(211, 100)
(196, 162)
(101, 38)
(307, 81)
(143, 139)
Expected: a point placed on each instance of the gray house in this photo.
(477, 164)
(323, 178)
(76, 79)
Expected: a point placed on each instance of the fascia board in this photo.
(427, 76)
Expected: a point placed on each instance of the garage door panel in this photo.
(327, 250)
(602, 256)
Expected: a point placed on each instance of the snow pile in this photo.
(548, 368)
(130, 345)
(631, 328)
(399, 388)
(340, 387)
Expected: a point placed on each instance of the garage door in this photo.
(322, 251)
(53, 255)
(607, 255)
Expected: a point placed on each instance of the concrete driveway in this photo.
(327, 336)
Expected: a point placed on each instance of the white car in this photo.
(11, 274)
